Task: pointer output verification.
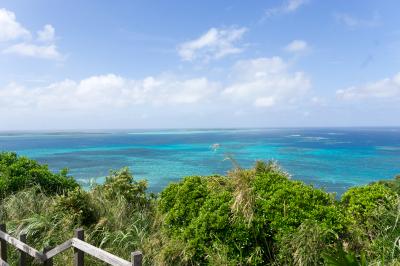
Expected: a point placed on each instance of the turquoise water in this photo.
(332, 158)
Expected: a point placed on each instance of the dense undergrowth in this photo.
(255, 216)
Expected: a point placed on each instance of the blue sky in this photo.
(190, 64)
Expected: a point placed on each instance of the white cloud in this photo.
(33, 50)
(47, 34)
(43, 47)
(10, 28)
(287, 7)
(250, 90)
(388, 88)
(266, 82)
(297, 46)
(264, 102)
(214, 44)
(353, 22)
(108, 91)
(260, 82)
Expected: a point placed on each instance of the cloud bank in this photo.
(254, 83)
(385, 89)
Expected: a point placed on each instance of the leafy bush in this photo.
(371, 213)
(18, 173)
(122, 183)
(78, 205)
(214, 211)
(392, 184)
(362, 202)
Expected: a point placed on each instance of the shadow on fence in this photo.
(46, 256)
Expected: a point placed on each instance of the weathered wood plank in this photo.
(22, 255)
(99, 253)
(77, 243)
(21, 246)
(136, 258)
(79, 255)
(3, 244)
(3, 263)
(58, 249)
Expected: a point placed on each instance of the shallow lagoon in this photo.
(333, 158)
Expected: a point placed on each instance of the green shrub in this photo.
(285, 204)
(362, 202)
(207, 212)
(367, 209)
(18, 173)
(122, 183)
(78, 205)
(393, 184)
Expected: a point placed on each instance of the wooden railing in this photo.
(46, 256)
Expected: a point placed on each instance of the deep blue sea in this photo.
(332, 158)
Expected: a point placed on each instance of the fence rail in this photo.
(46, 257)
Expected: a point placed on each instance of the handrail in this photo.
(99, 253)
(22, 246)
(80, 248)
(58, 249)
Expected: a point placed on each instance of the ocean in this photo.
(330, 158)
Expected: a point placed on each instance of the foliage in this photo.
(245, 215)
(18, 172)
(78, 205)
(339, 257)
(361, 202)
(364, 208)
(392, 184)
(256, 216)
(122, 183)
(306, 245)
(112, 223)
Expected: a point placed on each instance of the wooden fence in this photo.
(46, 256)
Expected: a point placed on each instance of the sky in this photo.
(198, 64)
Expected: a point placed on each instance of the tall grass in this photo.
(112, 223)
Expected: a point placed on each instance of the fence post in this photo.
(22, 255)
(136, 258)
(78, 254)
(3, 244)
(48, 262)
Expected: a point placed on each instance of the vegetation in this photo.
(255, 216)
(17, 173)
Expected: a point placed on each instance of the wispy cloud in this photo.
(288, 6)
(353, 22)
(297, 46)
(214, 44)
